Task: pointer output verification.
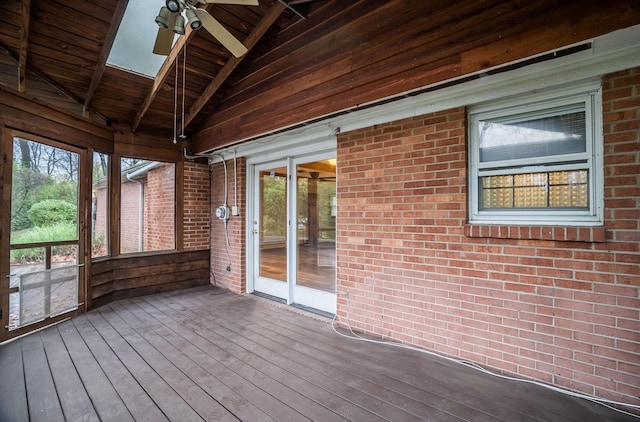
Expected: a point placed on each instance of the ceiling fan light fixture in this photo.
(178, 26)
(163, 17)
(173, 5)
(194, 21)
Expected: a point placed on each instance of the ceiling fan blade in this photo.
(220, 33)
(241, 2)
(164, 39)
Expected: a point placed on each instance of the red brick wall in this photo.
(233, 255)
(197, 197)
(159, 213)
(556, 304)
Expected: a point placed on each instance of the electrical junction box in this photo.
(222, 212)
(235, 210)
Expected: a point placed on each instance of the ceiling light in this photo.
(178, 27)
(194, 21)
(173, 5)
(163, 17)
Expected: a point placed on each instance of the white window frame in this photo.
(534, 105)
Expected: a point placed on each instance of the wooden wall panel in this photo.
(136, 275)
(345, 55)
(19, 112)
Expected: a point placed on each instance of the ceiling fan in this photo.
(171, 21)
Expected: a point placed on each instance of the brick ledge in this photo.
(557, 233)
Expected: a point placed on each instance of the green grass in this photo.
(53, 233)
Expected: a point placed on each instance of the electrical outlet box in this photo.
(235, 210)
(228, 267)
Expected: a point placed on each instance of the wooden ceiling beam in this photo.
(24, 45)
(49, 81)
(104, 54)
(252, 39)
(42, 76)
(164, 71)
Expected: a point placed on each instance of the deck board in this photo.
(74, 399)
(206, 354)
(166, 398)
(278, 351)
(13, 392)
(42, 397)
(316, 348)
(257, 356)
(135, 401)
(216, 347)
(107, 403)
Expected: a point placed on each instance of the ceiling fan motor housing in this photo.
(173, 5)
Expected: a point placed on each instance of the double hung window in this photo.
(537, 160)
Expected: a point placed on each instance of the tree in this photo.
(25, 152)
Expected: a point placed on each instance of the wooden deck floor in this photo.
(205, 354)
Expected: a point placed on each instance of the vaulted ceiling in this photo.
(56, 51)
(306, 58)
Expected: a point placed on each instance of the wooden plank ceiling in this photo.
(344, 54)
(56, 52)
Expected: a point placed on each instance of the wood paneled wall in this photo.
(20, 112)
(351, 53)
(136, 275)
(112, 278)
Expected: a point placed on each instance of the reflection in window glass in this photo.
(540, 137)
(100, 206)
(316, 225)
(147, 206)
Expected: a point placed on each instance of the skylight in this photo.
(133, 46)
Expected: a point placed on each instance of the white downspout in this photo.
(140, 213)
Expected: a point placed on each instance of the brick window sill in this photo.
(556, 233)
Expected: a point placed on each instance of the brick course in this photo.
(159, 210)
(196, 221)
(557, 304)
(231, 255)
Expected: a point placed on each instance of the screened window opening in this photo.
(44, 241)
(147, 206)
(537, 159)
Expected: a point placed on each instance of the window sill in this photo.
(555, 233)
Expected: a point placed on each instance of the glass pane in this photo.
(560, 189)
(548, 136)
(273, 224)
(100, 206)
(316, 231)
(147, 206)
(136, 25)
(44, 193)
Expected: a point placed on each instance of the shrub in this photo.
(52, 211)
